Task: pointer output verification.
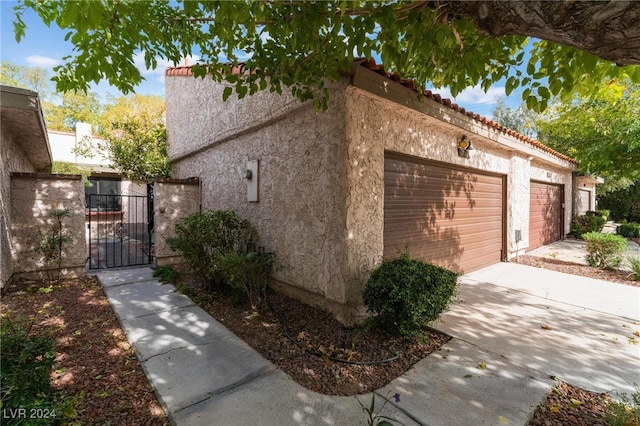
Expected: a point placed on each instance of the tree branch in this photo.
(608, 29)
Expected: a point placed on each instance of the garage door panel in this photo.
(414, 227)
(546, 215)
(451, 217)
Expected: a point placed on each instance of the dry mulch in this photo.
(568, 405)
(302, 340)
(565, 405)
(95, 365)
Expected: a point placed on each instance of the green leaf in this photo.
(544, 93)
(295, 47)
(511, 84)
(226, 93)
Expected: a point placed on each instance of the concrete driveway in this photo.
(578, 329)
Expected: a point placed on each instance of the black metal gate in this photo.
(119, 230)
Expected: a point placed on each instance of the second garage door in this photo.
(452, 217)
(545, 214)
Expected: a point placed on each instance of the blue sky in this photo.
(45, 47)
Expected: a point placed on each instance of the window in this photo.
(103, 195)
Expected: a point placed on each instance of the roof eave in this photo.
(22, 116)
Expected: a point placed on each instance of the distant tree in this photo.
(521, 119)
(135, 135)
(32, 78)
(603, 134)
(74, 107)
(61, 112)
(67, 168)
(624, 203)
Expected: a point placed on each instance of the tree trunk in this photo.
(608, 29)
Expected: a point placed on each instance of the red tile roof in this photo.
(185, 70)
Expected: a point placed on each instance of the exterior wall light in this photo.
(464, 146)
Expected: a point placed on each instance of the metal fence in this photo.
(119, 230)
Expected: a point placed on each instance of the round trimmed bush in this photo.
(405, 294)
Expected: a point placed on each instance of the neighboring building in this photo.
(29, 193)
(382, 171)
(584, 194)
(104, 178)
(23, 148)
(115, 206)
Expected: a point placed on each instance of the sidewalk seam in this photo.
(173, 308)
(171, 350)
(225, 389)
(130, 283)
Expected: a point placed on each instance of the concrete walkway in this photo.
(205, 375)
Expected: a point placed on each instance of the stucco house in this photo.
(384, 170)
(24, 148)
(29, 193)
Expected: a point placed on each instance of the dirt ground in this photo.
(95, 365)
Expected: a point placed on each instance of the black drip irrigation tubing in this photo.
(283, 322)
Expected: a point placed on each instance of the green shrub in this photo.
(586, 223)
(629, 230)
(604, 213)
(249, 274)
(166, 274)
(25, 369)
(204, 238)
(404, 294)
(634, 263)
(51, 242)
(623, 412)
(624, 203)
(604, 250)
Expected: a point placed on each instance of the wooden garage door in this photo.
(545, 214)
(448, 216)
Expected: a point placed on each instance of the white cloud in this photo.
(477, 95)
(42, 61)
(474, 98)
(473, 95)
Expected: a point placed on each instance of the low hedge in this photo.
(586, 223)
(604, 250)
(404, 294)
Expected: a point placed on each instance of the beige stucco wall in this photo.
(12, 159)
(33, 197)
(173, 200)
(301, 154)
(321, 174)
